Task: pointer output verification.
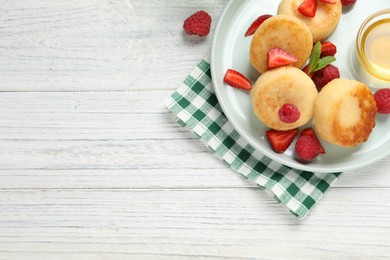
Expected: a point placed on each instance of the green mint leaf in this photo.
(315, 57)
(325, 61)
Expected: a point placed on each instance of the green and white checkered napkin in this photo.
(196, 107)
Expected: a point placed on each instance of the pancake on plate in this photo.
(285, 32)
(322, 24)
(283, 85)
(344, 112)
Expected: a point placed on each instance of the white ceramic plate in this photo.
(230, 49)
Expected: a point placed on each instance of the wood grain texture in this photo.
(93, 166)
(98, 44)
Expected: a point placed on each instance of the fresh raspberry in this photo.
(199, 23)
(347, 2)
(382, 99)
(325, 75)
(289, 113)
(307, 147)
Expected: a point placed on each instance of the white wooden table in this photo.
(92, 165)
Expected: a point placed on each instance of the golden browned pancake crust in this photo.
(284, 85)
(285, 32)
(344, 113)
(322, 24)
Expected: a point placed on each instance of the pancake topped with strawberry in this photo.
(280, 32)
(321, 16)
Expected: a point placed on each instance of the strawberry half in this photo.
(252, 29)
(310, 132)
(328, 49)
(281, 140)
(278, 57)
(347, 2)
(328, 1)
(237, 80)
(308, 8)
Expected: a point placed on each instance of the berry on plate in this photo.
(237, 80)
(328, 1)
(316, 62)
(253, 27)
(307, 147)
(308, 8)
(347, 2)
(289, 113)
(310, 131)
(382, 99)
(199, 24)
(325, 75)
(281, 140)
(277, 57)
(306, 70)
(328, 49)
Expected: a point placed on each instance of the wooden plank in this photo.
(98, 45)
(205, 223)
(87, 116)
(186, 178)
(83, 139)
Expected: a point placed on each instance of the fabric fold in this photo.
(196, 108)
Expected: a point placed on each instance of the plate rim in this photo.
(267, 152)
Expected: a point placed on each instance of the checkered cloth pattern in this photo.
(196, 108)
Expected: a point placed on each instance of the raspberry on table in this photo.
(382, 99)
(199, 24)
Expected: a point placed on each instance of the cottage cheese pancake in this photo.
(284, 85)
(344, 112)
(322, 24)
(281, 31)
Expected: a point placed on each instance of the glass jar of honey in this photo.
(371, 59)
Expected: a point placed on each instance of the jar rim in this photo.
(361, 56)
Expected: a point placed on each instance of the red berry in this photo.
(278, 57)
(308, 8)
(237, 80)
(310, 131)
(307, 147)
(325, 75)
(281, 140)
(382, 99)
(289, 113)
(199, 23)
(331, 72)
(347, 2)
(328, 49)
(253, 27)
(306, 70)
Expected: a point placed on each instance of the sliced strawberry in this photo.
(237, 80)
(328, 49)
(310, 132)
(252, 29)
(281, 140)
(328, 1)
(306, 70)
(308, 8)
(278, 57)
(347, 2)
